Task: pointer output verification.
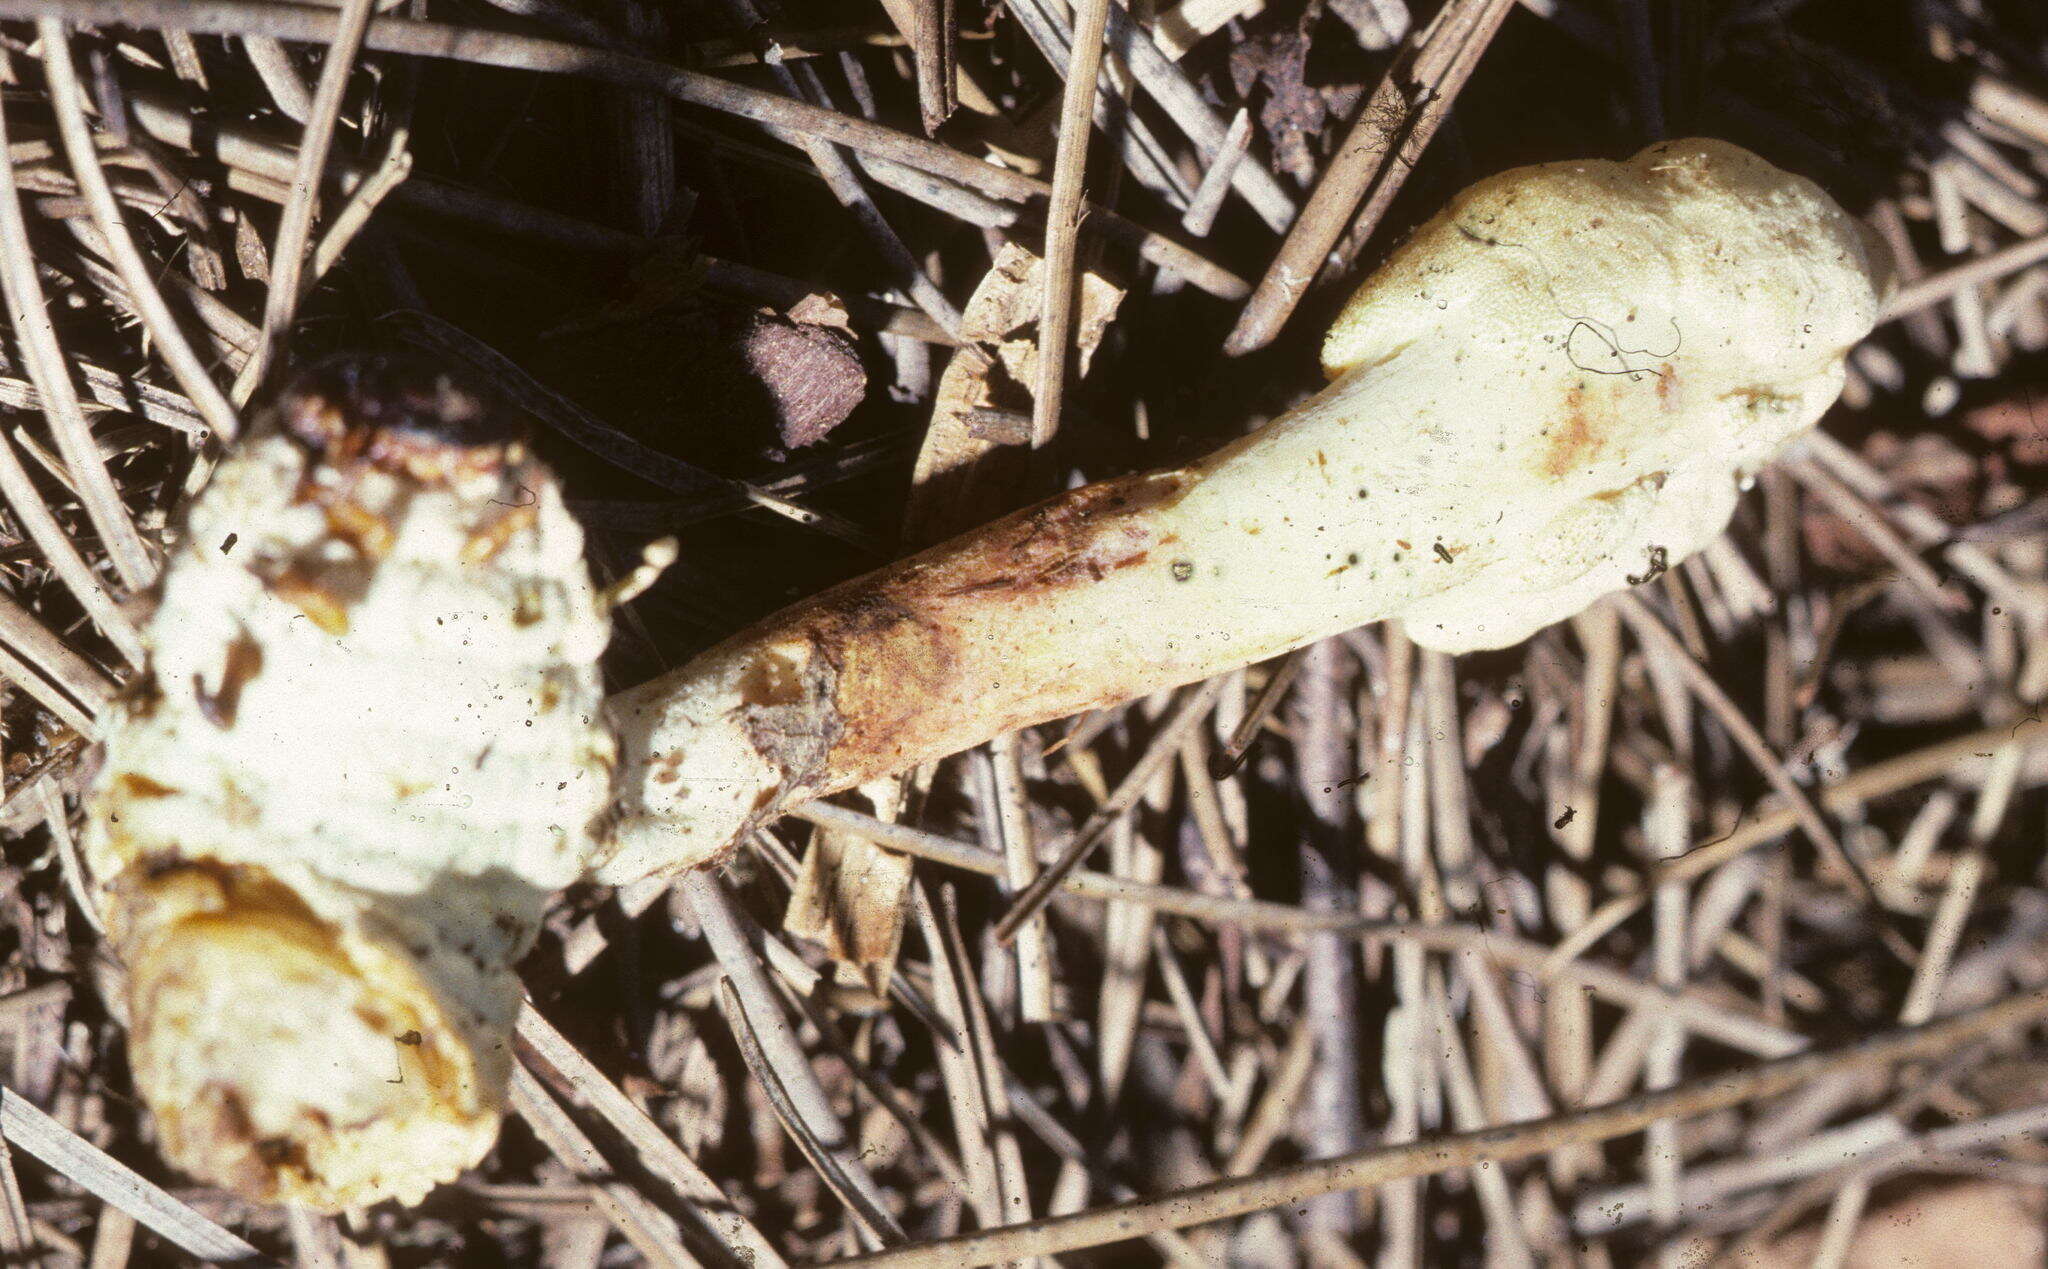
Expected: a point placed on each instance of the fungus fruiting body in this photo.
(1557, 383)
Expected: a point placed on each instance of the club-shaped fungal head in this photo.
(363, 755)
(1595, 356)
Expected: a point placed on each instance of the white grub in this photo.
(1556, 385)
(364, 754)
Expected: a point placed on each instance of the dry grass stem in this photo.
(1063, 217)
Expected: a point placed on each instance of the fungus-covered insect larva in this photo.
(322, 859)
(331, 830)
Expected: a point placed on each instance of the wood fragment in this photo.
(962, 473)
(933, 41)
(1188, 22)
(851, 897)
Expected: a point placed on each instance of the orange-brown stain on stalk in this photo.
(900, 658)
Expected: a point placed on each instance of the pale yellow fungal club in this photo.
(1558, 384)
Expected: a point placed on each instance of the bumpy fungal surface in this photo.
(1556, 387)
(365, 751)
